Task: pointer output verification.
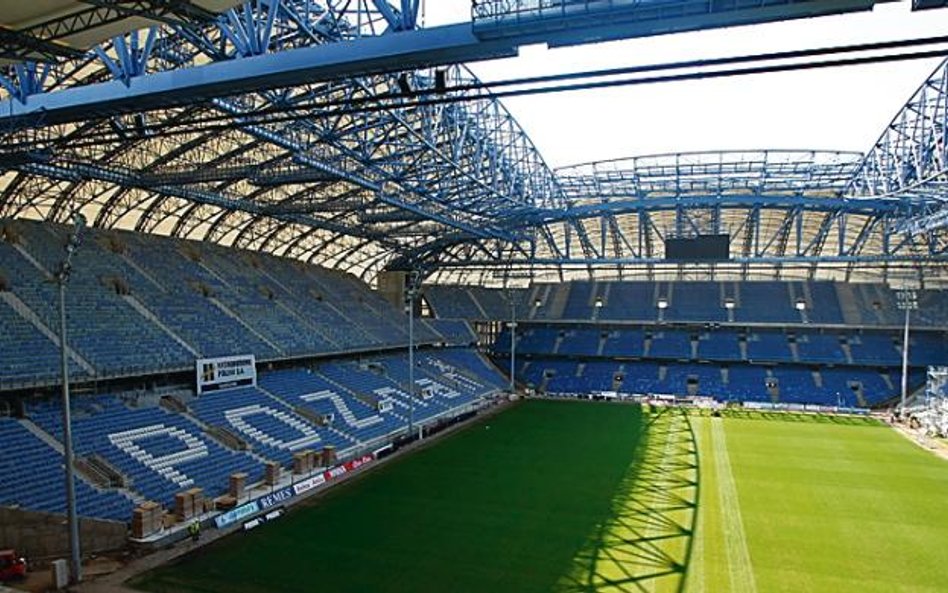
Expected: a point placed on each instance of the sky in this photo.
(834, 109)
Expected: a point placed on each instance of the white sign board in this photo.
(214, 374)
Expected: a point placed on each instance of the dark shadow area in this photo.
(646, 543)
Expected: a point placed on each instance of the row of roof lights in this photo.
(662, 303)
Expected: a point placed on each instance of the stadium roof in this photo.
(44, 30)
(367, 173)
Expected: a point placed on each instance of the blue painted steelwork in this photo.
(781, 208)
(456, 187)
(348, 190)
(909, 162)
(572, 22)
(386, 40)
(288, 67)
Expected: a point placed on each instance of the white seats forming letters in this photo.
(238, 419)
(127, 441)
(342, 407)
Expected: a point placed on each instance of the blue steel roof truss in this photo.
(451, 167)
(910, 159)
(436, 185)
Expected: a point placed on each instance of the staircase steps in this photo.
(147, 314)
(477, 304)
(230, 313)
(845, 294)
(560, 299)
(26, 313)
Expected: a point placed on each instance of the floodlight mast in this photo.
(513, 342)
(414, 284)
(907, 300)
(508, 292)
(62, 278)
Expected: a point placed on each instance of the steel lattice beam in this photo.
(910, 160)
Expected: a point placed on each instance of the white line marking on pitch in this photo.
(738, 557)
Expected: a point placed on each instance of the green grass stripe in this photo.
(503, 506)
(738, 556)
(643, 545)
(840, 507)
(577, 497)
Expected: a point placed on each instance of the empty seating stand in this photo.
(269, 426)
(34, 479)
(348, 414)
(161, 453)
(141, 304)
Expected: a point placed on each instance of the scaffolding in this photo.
(933, 414)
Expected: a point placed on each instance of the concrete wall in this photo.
(45, 535)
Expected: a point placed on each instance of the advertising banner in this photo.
(277, 498)
(236, 514)
(351, 465)
(309, 484)
(215, 374)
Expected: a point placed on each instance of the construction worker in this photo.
(195, 530)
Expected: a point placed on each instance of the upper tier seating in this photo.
(474, 302)
(693, 301)
(26, 352)
(455, 302)
(139, 304)
(456, 332)
(751, 302)
(103, 327)
(765, 302)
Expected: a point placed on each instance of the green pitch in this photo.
(582, 497)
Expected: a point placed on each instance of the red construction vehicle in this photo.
(12, 567)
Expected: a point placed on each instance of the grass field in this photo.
(571, 497)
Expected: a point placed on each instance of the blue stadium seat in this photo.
(162, 453)
(34, 479)
(270, 427)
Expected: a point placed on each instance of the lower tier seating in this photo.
(826, 385)
(160, 452)
(34, 478)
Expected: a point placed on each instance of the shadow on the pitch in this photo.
(645, 544)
